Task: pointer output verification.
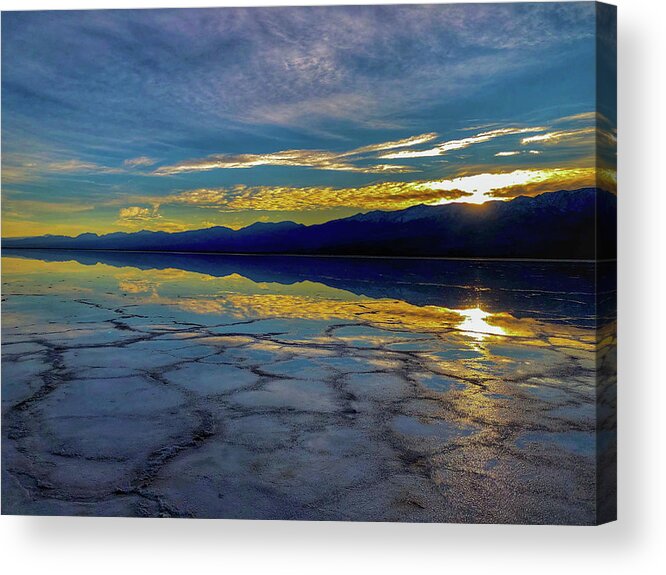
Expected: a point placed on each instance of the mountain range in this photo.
(579, 224)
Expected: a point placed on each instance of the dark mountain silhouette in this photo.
(576, 224)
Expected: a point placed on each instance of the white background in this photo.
(634, 544)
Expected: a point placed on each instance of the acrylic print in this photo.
(350, 263)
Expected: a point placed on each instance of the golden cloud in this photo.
(526, 182)
(474, 188)
(137, 213)
(541, 181)
(385, 195)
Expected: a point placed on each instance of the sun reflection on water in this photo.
(239, 298)
(475, 325)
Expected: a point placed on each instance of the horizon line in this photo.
(299, 255)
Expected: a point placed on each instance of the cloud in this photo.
(516, 153)
(182, 84)
(473, 188)
(30, 166)
(12, 174)
(384, 195)
(461, 143)
(582, 136)
(140, 161)
(607, 138)
(575, 136)
(344, 161)
(404, 143)
(96, 81)
(144, 218)
(586, 133)
(540, 181)
(585, 117)
(505, 154)
(507, 185)
(316, 159)
(67, 166)
(37, 168)
(557, 136)
(136, 213)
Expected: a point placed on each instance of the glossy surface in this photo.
(298, 388)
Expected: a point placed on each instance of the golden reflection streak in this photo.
(468, 324)
(240, 298)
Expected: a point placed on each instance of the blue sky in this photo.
(177, 119)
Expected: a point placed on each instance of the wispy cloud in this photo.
(16, 173)
(316, 159)
(68, 166)
(557, 136)
(506, 154)
(140, 161)
(32, 169)
(581, 129)
(584, 117)
(511, 153)
(346, 161)
(404, 143)
(461, 143)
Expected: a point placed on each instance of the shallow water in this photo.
(301, 388)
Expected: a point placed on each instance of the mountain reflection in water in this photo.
(450, 381)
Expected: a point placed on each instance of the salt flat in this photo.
(167, 392)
